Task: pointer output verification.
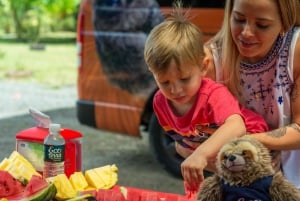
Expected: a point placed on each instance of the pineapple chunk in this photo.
(19, 167)
(94, 179)
(103, 177)
(64, 187)
(78, 181)
(90, 188)
(16, 156)
(109, 174)
(4, 163)
(20, 172)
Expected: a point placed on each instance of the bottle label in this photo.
(53, 169)
(54, 153)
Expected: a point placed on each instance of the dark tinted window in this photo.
(208, 4)
(168, 3)
(196, 3)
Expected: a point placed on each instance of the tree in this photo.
(29, 15)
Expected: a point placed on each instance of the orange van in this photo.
(115, 88)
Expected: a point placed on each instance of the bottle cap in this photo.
(54, 128)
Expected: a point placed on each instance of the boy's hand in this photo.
(186, 152)
(192, 170)
(190, 193)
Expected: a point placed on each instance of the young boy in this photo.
(190, 107)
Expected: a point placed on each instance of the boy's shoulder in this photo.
(211, 88)
(158, 97)
(208, 83)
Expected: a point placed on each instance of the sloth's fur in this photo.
(240, 162)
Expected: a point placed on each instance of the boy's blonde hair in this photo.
(176, 39)
(289, 11)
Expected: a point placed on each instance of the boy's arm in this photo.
(233, 127)
(192, 167)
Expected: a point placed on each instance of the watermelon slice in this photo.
(36, 189)
(9, 185)
(35, 184)
(109, 194)
(46, 194)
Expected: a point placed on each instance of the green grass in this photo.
(55, 66)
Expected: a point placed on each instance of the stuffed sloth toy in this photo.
(245, 173)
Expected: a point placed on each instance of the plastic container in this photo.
(29, 143)
(54, 152)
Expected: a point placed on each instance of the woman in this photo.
(257, 55)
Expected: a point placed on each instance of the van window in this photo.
(120, 32)
(195, 3)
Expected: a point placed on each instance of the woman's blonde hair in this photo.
(289, 11)
(176, 39)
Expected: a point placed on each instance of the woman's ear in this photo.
(208, 65)
(205, 65)
(205, 62)
(149, 69)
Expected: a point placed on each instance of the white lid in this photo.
(54, 128)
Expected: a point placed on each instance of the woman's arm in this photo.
(284, 138)
(287, 137)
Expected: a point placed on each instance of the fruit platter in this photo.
(19, 181)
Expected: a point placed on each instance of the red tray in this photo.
(135, 194)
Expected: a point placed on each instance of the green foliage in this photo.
(32, 23)
(61, 8)
(62, 13)
(66, 24)
(31, 17)
(5, 19)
